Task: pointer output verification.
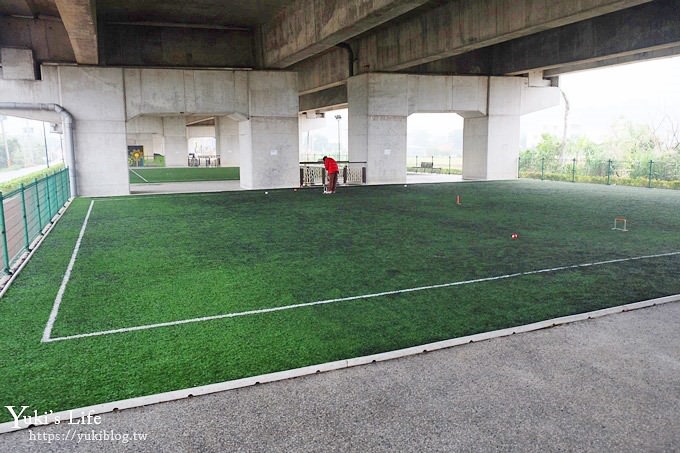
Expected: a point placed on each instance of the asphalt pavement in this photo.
(610, 384)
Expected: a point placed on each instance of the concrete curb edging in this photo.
(330, 366)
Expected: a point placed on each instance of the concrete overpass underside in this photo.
(134, 72)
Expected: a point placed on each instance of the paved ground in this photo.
(185, 187)
(14, 174)
(222, 186)
(605, 385)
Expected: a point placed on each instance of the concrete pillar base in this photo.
(490, 147)
(268, 140)
(378, 108)
(227, 141)
(491, 142)
(269, 153)
(175, 141)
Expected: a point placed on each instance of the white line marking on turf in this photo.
(174, 395)
(345, 299)
(64, 282)
(143, 178)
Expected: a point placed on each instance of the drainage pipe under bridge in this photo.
(68, 122)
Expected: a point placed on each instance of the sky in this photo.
(641, 92)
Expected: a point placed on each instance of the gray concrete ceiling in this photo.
(243, 13)
(29, 8)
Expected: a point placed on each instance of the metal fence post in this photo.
(651, 172)
(57, 190)
(609, 172)
(5, 253)
(573, 170)
(55, 194)
(416, 164)
(542, 168)
(64, 188)
(67, 185)
(49, 198)
(449, 164)
(37, 198)
(23, 211)
(519, 167)
(64, 192)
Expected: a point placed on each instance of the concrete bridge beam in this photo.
(379, 105)
(80, 20)
(463, 32)
(308, 27)
(112, 107)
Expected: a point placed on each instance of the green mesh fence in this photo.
(26, 212)
(452, 165)
(658, 174)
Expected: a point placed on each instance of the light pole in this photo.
(338, 117)
(47, 157)
(4, 138)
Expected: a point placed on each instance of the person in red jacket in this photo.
(332, 170)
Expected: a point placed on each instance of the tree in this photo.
(12, 151)
(632, 142)
(545, 154)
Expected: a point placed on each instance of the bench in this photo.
(429, 165)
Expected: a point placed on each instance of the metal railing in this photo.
(196, 160)
(314, 173)
(451, 165)
(26, 212)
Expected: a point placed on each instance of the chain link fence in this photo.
(26, 212)
(658, 174)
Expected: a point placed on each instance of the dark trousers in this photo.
(332, 181)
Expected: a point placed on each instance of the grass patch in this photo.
(14, 184)
(147, 260)
(159, 175)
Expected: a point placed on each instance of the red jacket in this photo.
(331, 165)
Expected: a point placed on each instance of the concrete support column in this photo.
(378, 109)
(268, 140)
(491, 147)
(228, 147)
(491, 142)
(148, 132)
(175, 141)
(95, 97)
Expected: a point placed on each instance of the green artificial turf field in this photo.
(154, 260)
(158, 175)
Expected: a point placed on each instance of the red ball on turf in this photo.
(514, 235)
